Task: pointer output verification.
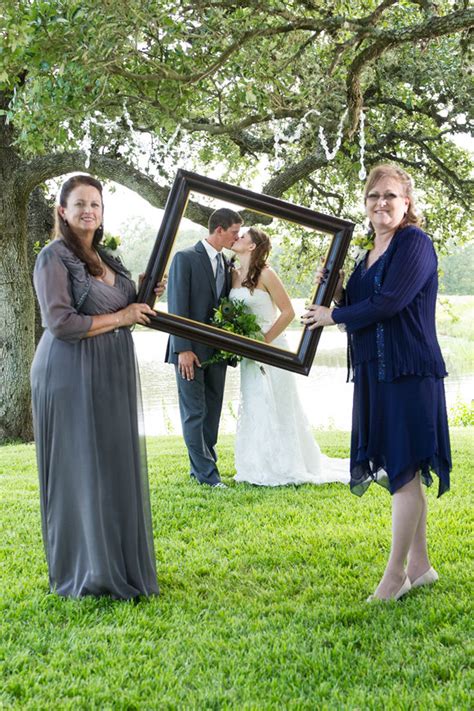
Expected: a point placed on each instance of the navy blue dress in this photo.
(399, 421)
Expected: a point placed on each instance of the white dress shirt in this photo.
(212, 253)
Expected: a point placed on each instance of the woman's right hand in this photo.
(321, 274)
(135, 313)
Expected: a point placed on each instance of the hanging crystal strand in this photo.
(126, 116)
(362, 171)
(132, 146)
(330, 155)
(173, 138)
(70, 134)
(87, 141)
(302, 126)
(304, 123)
(278, 139)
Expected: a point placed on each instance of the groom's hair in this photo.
(223, 218)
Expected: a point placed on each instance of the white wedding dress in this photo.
(274, 444)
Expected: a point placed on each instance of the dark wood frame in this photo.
(185, 182)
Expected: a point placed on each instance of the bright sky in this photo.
(121, 203)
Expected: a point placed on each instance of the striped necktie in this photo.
(219, 274)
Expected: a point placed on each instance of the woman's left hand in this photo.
(160, 287)
(317, 316)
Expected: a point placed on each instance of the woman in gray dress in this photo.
(95, 506)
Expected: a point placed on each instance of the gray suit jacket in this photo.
(192, 294)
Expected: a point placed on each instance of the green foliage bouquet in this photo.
(233, 315)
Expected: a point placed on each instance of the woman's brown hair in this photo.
(387, 170)
(258, 258)
(64, 231)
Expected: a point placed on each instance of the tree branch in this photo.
(428, 7)
(424, 167)
(378, 12)
(434, 27)
(458, 186)
(235, 128)
(42, 168)
(431, 113)
(280, 183)
(453, 177)
(367, 24)
(249, 143)
(163, 72)
(330, 24)
(328, 194)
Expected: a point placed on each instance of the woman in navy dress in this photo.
(399, 423)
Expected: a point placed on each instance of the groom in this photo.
(199, 276)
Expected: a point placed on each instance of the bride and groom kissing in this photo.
(274, 444)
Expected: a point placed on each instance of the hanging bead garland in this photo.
(279, 139)
(87, 141)
(330, 155)
(173, 137)
(362, 171)
(304, 122)
(127, 118)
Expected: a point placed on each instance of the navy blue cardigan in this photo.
(390, 311)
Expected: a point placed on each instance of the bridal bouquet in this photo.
(233, 315)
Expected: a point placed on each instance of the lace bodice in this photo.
(259, 302)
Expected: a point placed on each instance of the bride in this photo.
(274, 444)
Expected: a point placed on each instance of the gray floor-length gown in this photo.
(95, 506)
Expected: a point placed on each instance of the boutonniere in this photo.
(359, 256)
(362, 245)
(230, 263)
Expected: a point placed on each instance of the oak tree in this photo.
(129, 89)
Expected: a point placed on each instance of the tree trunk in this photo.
(40, 227)
(18, 179)
(16, 310)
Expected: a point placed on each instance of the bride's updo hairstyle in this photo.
(258, 258)
(64, 231)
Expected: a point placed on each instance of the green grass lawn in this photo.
(261, 606)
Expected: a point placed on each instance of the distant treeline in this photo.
(138, 237)
(457, 271)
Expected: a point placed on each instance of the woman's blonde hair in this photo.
(387, 170)
(258, 258)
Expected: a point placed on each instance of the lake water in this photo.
(325, 395)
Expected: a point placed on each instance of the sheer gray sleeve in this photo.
(52, 285)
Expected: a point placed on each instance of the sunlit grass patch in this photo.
(262, 600)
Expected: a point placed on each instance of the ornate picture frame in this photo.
(340, 233)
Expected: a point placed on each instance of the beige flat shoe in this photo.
(406, 587)
(428, 578)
